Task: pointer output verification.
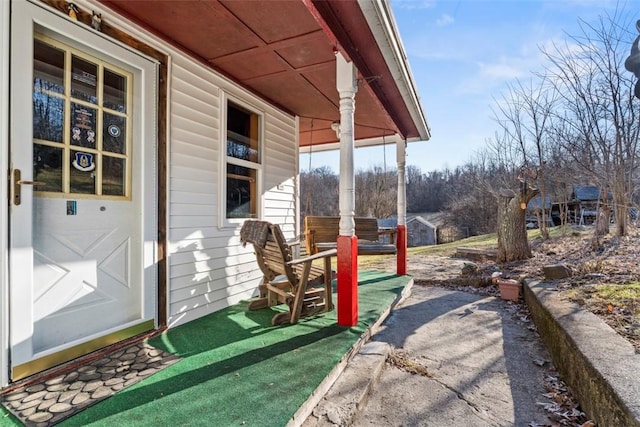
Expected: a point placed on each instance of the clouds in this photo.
(464, 53)
(444, 20)
(414, 4)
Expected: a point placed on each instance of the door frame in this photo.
(4, 197)
(161, 107)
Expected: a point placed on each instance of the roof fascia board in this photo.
(382, 24)
(313, 10)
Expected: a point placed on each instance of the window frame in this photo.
(258, 165)
(66, 145)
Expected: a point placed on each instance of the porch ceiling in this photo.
(283, 50)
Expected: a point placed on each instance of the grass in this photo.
(449, 249)
(609, 296)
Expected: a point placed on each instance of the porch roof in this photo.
(284, 51)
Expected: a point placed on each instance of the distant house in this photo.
(387, 224)
(421, 232)
(535, 204)
(583, 206)
(535, 208)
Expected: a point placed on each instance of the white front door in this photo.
(82, 213)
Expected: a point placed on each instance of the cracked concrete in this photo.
(480, 359)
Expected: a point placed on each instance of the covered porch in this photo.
(338, 66)
(233, 368)
(221, 98)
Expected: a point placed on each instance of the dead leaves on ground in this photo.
(562, 408)
(402, 360)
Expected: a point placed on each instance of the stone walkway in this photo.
(48, 402)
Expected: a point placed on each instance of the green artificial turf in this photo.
(237, 369)
(7, 418)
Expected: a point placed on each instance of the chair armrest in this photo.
(293, 242)
(319, 255)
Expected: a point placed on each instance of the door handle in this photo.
(17, 182)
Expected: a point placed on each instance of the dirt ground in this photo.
(612, 261)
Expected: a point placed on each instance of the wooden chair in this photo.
(304, 287)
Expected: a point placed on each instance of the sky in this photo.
(462, 54)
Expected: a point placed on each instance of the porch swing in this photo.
(321, 232)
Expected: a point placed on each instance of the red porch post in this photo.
(347, 240)
(347, 280)
(401, 242)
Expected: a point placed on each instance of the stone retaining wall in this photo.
(601, 368)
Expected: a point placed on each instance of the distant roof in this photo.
(387, 222)
(423, 221)
(587, 192)
(536, 203)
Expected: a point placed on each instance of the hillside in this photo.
(605, 280)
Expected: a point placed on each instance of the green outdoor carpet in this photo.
(237, 369)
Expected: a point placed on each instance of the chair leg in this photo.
(328, 291)
(259, 303)
(300, 291)
(281, 318)
(262, 301)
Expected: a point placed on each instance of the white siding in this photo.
(208, 268)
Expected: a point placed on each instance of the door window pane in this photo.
(80, 122)
(83, 79)
(82, 172)
(48, 117)
(114, 134)
(48, 68)
(113, 176)
(47, 167)
(115, 91)
(83, 126)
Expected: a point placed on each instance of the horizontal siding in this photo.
(190, 187)
(208, 267)
(195, 296)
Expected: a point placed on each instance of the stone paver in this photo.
(54, 399)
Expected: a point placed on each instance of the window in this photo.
(243, 161)
(81, 120)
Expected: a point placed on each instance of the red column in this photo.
(401, 244)
(347, 280)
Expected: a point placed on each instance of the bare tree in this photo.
(319, 192)
(469, 204)
(600, 118)
(520, 150)
(525, 114)
(376, 193)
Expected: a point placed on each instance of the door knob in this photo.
(17, 182)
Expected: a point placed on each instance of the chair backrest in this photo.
(272, 251)
(326, 228)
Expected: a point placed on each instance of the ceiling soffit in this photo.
(278, 50)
